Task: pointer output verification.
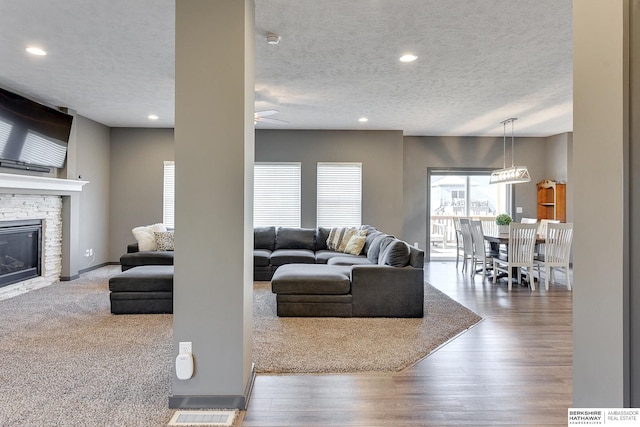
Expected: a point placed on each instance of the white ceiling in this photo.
(479, 62)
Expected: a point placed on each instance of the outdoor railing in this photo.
(443, 232)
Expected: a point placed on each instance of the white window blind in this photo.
(276, 194)
(339, 199)
(168, 194)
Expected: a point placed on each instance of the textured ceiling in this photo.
(479, 62)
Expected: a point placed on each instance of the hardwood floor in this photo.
(513, 368)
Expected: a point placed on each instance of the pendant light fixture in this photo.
(513, 174)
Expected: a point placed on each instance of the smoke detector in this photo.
(273, 38)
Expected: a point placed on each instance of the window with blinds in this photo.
(168, 194)
(276, 194)
(339, 198)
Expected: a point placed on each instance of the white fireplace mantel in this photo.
(29, 184)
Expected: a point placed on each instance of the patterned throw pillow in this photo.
(355, 245)
(335, 237)
(164, 240)
(339, 237)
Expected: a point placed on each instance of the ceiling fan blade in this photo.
(275, 121)
(266, 113)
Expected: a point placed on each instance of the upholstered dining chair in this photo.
(557, 252)
(467, 243)
(522, 240)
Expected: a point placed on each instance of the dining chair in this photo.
(481, 257)
(557, 252)
(542, 227)
(459, 244)
(467, 242)
(522, 240)
(489, 226)
(528, 220)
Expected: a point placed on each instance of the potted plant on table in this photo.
(503, 221)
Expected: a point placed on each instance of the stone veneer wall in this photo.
(48, 209)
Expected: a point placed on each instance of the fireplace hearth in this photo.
(20, 250)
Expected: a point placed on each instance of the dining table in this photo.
(503, 239)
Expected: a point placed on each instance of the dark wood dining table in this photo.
(503, 238)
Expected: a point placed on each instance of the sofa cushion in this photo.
(146, 258)
(311, 279)
(371, 235)
(295, 238)
(373, 251)
(396, 253)
(264, 238)
(148, 278)
(323, 256)
(347, 259)
(145, 236)
(322, 234)
(261, 257)
(292, 256)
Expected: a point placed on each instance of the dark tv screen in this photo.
(32, 133)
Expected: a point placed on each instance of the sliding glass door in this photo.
(460, 193)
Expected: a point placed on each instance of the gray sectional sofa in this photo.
(309, 279)
(386, 280)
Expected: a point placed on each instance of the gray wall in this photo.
(394, 172)
(421, 153)
(136, 179)
(93, 165)
(379, 151)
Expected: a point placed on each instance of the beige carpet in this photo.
(323, 345)
(67, 361)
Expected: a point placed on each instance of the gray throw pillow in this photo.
(396, 254)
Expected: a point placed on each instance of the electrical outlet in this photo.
(184, 347)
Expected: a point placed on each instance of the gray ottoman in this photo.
(142, 290)
(312, 290)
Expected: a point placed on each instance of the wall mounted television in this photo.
(32, 135)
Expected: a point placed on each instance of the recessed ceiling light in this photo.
(152, 117)
(273, 38)
(409, 57)
(363, 119)
(35, 51)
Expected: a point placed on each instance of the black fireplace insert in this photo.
(20, 250)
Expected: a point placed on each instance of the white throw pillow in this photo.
(146, 237)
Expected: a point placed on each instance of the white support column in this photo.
(214, 146)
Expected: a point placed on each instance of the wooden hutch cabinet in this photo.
(552, 200)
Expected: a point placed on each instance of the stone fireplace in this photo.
(51, 203)
(46, 211)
